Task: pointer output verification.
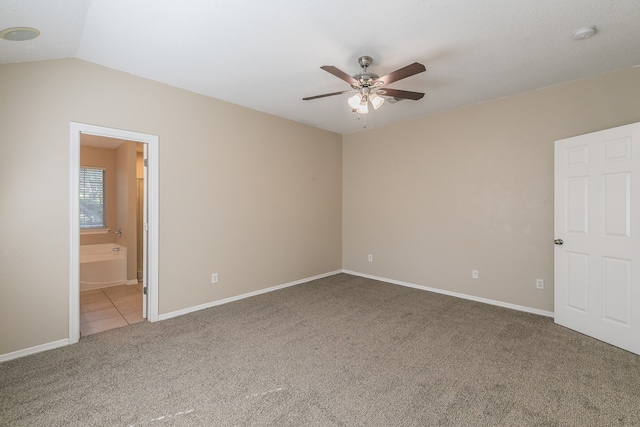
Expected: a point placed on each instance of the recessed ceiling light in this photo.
(584, 32)
(19, 34)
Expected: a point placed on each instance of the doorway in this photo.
(149, 222)
(112, 207)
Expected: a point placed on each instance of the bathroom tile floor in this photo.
(109, 308)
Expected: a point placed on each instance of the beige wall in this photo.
(139, 214)
(436, 197)
(139, 165)
(126, 205)
(251, 196)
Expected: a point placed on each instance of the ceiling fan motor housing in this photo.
(364, 79)
(365, 61)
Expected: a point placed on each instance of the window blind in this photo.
(92, 198)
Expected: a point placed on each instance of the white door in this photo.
(145, 234)
(597, 232)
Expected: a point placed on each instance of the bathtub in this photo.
(102, 265)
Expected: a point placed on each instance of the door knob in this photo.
(558, 241)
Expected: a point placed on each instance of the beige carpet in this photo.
(340, 351)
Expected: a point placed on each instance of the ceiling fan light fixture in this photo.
(363, 108)
(354, 101)
(376, 101)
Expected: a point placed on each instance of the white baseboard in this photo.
(132, 282)
(188, 310)
(64, 342)
(33, 350)
(456, 294)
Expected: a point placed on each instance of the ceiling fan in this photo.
(368, 87)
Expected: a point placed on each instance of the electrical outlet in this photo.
(474, 274)
(214, 278)
(370, 258)
(539, 283)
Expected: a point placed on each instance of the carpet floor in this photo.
(339, 351)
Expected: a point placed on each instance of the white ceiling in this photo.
(266, 55)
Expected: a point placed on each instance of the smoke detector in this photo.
(584, 32)
(19, 34)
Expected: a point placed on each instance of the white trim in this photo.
(243, 296)
(33, 350)
(64, 342)
(153, 224)
(132, 282)
(74, 251)
(74, 240)
(456, 294)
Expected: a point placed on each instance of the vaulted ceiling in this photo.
(266, 55)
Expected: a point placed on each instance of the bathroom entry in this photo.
(112, 206)
(151, 224)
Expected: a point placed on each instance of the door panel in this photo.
(617, 289)
(577, 201)
(597, 217)
(577, 281)
(616, 197)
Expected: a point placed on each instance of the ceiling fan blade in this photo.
(325, 95)
(339, 74)
(397, 93)
(402, 73)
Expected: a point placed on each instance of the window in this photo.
(92, 207)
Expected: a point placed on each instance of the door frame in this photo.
(76, 129)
